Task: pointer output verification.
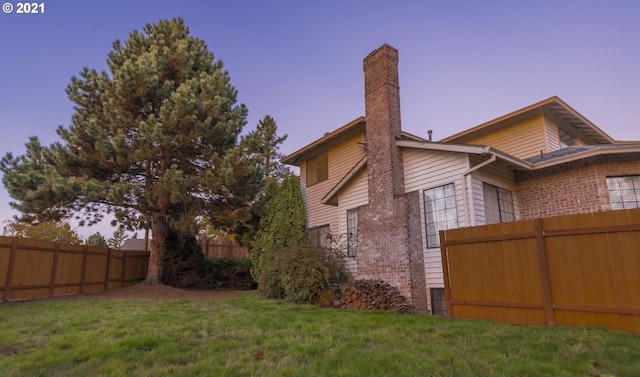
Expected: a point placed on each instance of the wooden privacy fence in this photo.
(578, 270)
(36, 269)
(222, 249)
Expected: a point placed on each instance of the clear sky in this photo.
(462, 63)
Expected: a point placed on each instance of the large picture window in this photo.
(440, 212)
(498, 204)
(317, 169)
(624, 192)
(352, 232)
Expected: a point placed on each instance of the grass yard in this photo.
(246, 335)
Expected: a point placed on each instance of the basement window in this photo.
(438, 302)
(624, 192)
(317, 169)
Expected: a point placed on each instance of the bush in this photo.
(230, 273)
(299, 272)
(268, 275)
(282, 224)
(304, 273)
(216, 265)
(187, 267)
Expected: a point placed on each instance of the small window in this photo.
(352, 232)
(317, 169)
(498, 204)
(624, 192)
(438, 302)
(320, 236)
(440, 212)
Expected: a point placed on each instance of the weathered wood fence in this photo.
(37, 269)
(578, 270)
(222, 249)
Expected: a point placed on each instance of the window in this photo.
(317, 169)
(498, 204)
(440, 212)
(624, 192)
(352, 232)
(320, 236)
(438, 302)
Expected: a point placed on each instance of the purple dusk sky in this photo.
(462, 63)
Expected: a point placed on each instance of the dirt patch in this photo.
(159, 292)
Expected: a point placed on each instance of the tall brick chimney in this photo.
(382, 110)
(389, 231)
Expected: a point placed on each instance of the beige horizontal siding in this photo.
(553, 136)
(341, 158)
(424, 169)
(354, 195)
(522, 140)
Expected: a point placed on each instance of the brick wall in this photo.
(389, 243)
(572, 188)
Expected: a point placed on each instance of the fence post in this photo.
(12, 262)
(124, 268)
(84, 268)
(543, 267)
(106, 274)
(54, 268)
(445, 270)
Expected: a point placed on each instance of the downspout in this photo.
(466, 176)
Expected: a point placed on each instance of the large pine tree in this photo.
(154, 140)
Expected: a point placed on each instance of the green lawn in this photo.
(250, 336)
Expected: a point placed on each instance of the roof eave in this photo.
(296, 157)
(466, 148)
(601, 137)
(513, 114)
(603, 150)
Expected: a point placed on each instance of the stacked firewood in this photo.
(370, 295)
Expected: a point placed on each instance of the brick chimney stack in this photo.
(382, 110)
(389, 230)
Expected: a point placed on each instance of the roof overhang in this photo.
(519, 164)
(570, 120)
(597, 151)
(468, 149)
(350, 129)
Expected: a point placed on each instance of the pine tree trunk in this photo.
(158, 234)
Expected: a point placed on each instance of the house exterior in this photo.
(384, 194)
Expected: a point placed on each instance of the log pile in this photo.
(368, 295)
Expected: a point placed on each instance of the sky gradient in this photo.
(462, 63)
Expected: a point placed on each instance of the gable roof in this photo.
(353, 128)
(329, 139)
(571, 121)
